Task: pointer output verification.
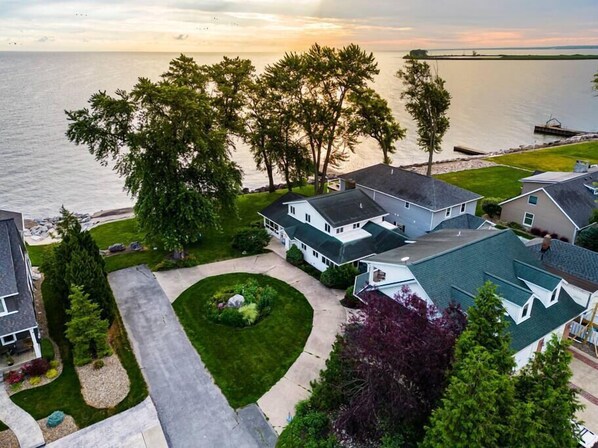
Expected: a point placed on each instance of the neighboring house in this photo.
(560, 203)
(19, 334)
(451, 265)
(578, 266)
(416, 204)
(466, 222)
(331, 229)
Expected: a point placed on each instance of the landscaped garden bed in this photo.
(51, 434)
(245, 361)
(36, 373)
(104, 383)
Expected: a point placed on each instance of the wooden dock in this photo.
(468, 151)
(556, 130)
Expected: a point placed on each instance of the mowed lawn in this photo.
(560, 158)
(246, 362)
(493, 182)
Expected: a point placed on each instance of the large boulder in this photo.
(236, 301)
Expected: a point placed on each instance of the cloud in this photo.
(181, 37)
(45, 39)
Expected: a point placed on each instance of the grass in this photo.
(64, 393)
(495, 181)
(38, 253)
(247, 362)
(125, 231)
(559, 158)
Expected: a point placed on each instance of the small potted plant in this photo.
(9, 360)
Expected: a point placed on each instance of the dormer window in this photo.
(340, 230)
(553, 296)
(592, 188)
(532, 200)
(447, 213)
(307, 217)
(356, 225)
(292, 210)
(462, 208)
(407, 205)
(525, 310)
(327, 227)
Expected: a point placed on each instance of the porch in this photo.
(17, 349)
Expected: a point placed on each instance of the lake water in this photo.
(495, 106)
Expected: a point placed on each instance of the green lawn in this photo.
(64, 393)
(495, 181)
(246, 363)
(560, 158)
(37, 253)
(125, 231)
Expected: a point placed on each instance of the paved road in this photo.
(192, 410)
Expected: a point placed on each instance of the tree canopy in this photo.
(427, 102)
(588, 238)
(170, 141)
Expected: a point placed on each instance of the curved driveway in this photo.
(279, 402)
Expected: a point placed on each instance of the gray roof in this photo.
(575, 198)
(464, 221)
(380, 239)
(8, 281)
(550, 177)
(568, 258)
(451, 265)
(412, 187)
(23, 302)
(346, 207)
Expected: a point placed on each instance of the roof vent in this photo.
(404, 259)
(360, 205)
(392, 171)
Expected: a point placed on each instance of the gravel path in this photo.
(105, 387)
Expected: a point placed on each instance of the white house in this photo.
(19, 334)
(451, 265)
(332, 229)
(416, 204)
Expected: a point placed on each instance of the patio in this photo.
(20, 352)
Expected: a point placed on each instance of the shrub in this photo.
(54, 364)
(554, 236)
(37, 367)
(536, 231)
(251, 240)
(98, 364)
(55, 419)
(16, 387)
(15, 377)
(339, 277)
(515, 225)
(52, 373)
(350, 301)
(295, 256)
(249, 313)
(232, 317)
(491, 206)
(564, 239)
(170, 263)
(35, 380)
(47, 349)
(588, 238)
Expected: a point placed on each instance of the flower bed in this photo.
(38, 372)
(241, 306)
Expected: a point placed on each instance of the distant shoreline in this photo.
(506, 57)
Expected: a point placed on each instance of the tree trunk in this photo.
(287, 178)
(270, 172)
(431, 155)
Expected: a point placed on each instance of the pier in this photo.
(556, 130)
(469, 151)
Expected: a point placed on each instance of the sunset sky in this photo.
(278, 25)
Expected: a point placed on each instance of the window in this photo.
(356, 225)
(525, 310)
(8, 339)
(462, 208)
(447, 213)
(407, 205)
(553, 297)
(340, 230)
(327, 227)
(379, 275)
(292, 210)
(326, 261)
(533, 200)
(315, 254)
(303, 246)
(307, 217)
(528, 219)
(401, 227)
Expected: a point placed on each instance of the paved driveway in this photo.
(279, 402)
(192, 410)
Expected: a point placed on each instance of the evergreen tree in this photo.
(486, 327)
(472, 413)
(86, 330)
(544, 386)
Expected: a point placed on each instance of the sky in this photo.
(281, 25)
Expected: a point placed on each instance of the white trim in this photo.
(12, 341)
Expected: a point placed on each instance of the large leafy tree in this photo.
(170, 141)
(427, 102)
(375, 119)
(400, 352)
(320, 87)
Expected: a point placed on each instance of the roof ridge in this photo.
(515, 260)
(463, 291)
(507, 282)
(452, 249)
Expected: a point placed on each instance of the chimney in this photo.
(581, 166)
(545, 245)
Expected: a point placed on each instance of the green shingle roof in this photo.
(509, 291)
(536, 275)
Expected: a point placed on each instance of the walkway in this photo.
(137, 427)
(329, 315)
(585, 372)
(192, 410)
(28, 432)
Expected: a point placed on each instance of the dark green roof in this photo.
(278, 212)
(536, 275)
(509, 291)
(346, 207)
(543, 320)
